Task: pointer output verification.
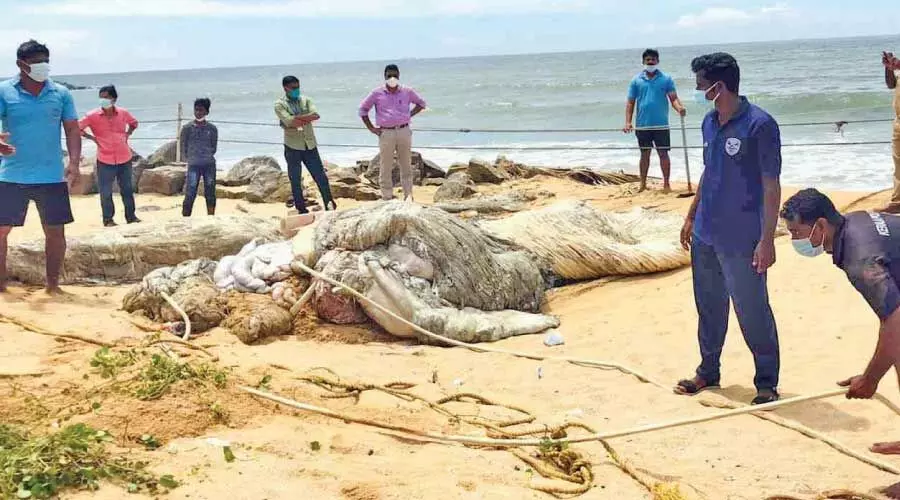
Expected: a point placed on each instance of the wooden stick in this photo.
(40, 331)
(472, 440)
(179, 310)
(476, 348)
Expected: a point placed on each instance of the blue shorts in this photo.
(51, 200)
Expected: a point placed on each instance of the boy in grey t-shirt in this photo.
(199, 140)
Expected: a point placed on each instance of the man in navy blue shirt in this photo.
(730, 227)
(866, 246)
(650, 92)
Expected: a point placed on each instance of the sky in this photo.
(110, 36)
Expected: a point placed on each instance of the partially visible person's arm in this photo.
(285, 116)
(872, 278)
(364, 110)
(311, 115)
(767, 139)
(673, 98)
(420, 104)
(629, 107)
(214, 138)
(6, 149)
(132, 124)
(73, 139)
(73, 146)
(890, 63)
(84, 124)
(185, 139)
(687, 229)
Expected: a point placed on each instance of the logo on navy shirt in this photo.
(880, 225)
(732, 146)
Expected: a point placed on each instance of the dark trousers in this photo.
(310, 158)
(192, 184)
(106, 174)
(719, 276)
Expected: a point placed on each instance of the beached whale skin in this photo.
(125, 254)
(430, 268)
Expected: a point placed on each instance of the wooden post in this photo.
(687, 166)
(178, 135)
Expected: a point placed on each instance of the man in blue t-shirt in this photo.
(651, 91)
(730, 227)
(33, 109)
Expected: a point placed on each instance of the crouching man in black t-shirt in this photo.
(866, 245)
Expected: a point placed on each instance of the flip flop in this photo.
(690, 388)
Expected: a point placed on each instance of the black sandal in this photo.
(764, 396)
(690, 388)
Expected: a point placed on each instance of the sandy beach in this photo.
(826, 329)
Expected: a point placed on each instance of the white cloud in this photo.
(732, 16)
(57, 40)
(298, 8)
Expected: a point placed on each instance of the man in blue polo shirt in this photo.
(651, 91)
(32, 110)
(730, 227)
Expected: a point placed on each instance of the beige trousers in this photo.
(397, 141)
(895, 198)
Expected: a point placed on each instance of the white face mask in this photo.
(201, 119)
(40, 72)
(650, 68)
(393, 82)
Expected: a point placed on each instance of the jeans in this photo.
(192, 183)
(719, 276)
(310, 158)
(106, 174)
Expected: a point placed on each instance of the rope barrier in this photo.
(525, 130)
(524, 148)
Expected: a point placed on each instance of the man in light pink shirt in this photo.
(392, 114)
(111, 127)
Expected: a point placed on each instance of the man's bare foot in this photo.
(642, 189)
(892, 491)
(667, 189)
(890, 209)
(2, 286)
(886, 448)
(56, 291)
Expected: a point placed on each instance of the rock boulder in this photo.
(163, 155)
(167, 180)
(244, 171)
(483, 172)
(453, 190)
(264, 183)
(422, 169)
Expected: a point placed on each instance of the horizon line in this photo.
(484, 56)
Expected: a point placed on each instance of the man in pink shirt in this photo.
(111, 127)
(392, 114)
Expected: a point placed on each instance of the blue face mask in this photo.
(700, 96)
(805, 247)
(294, 94)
